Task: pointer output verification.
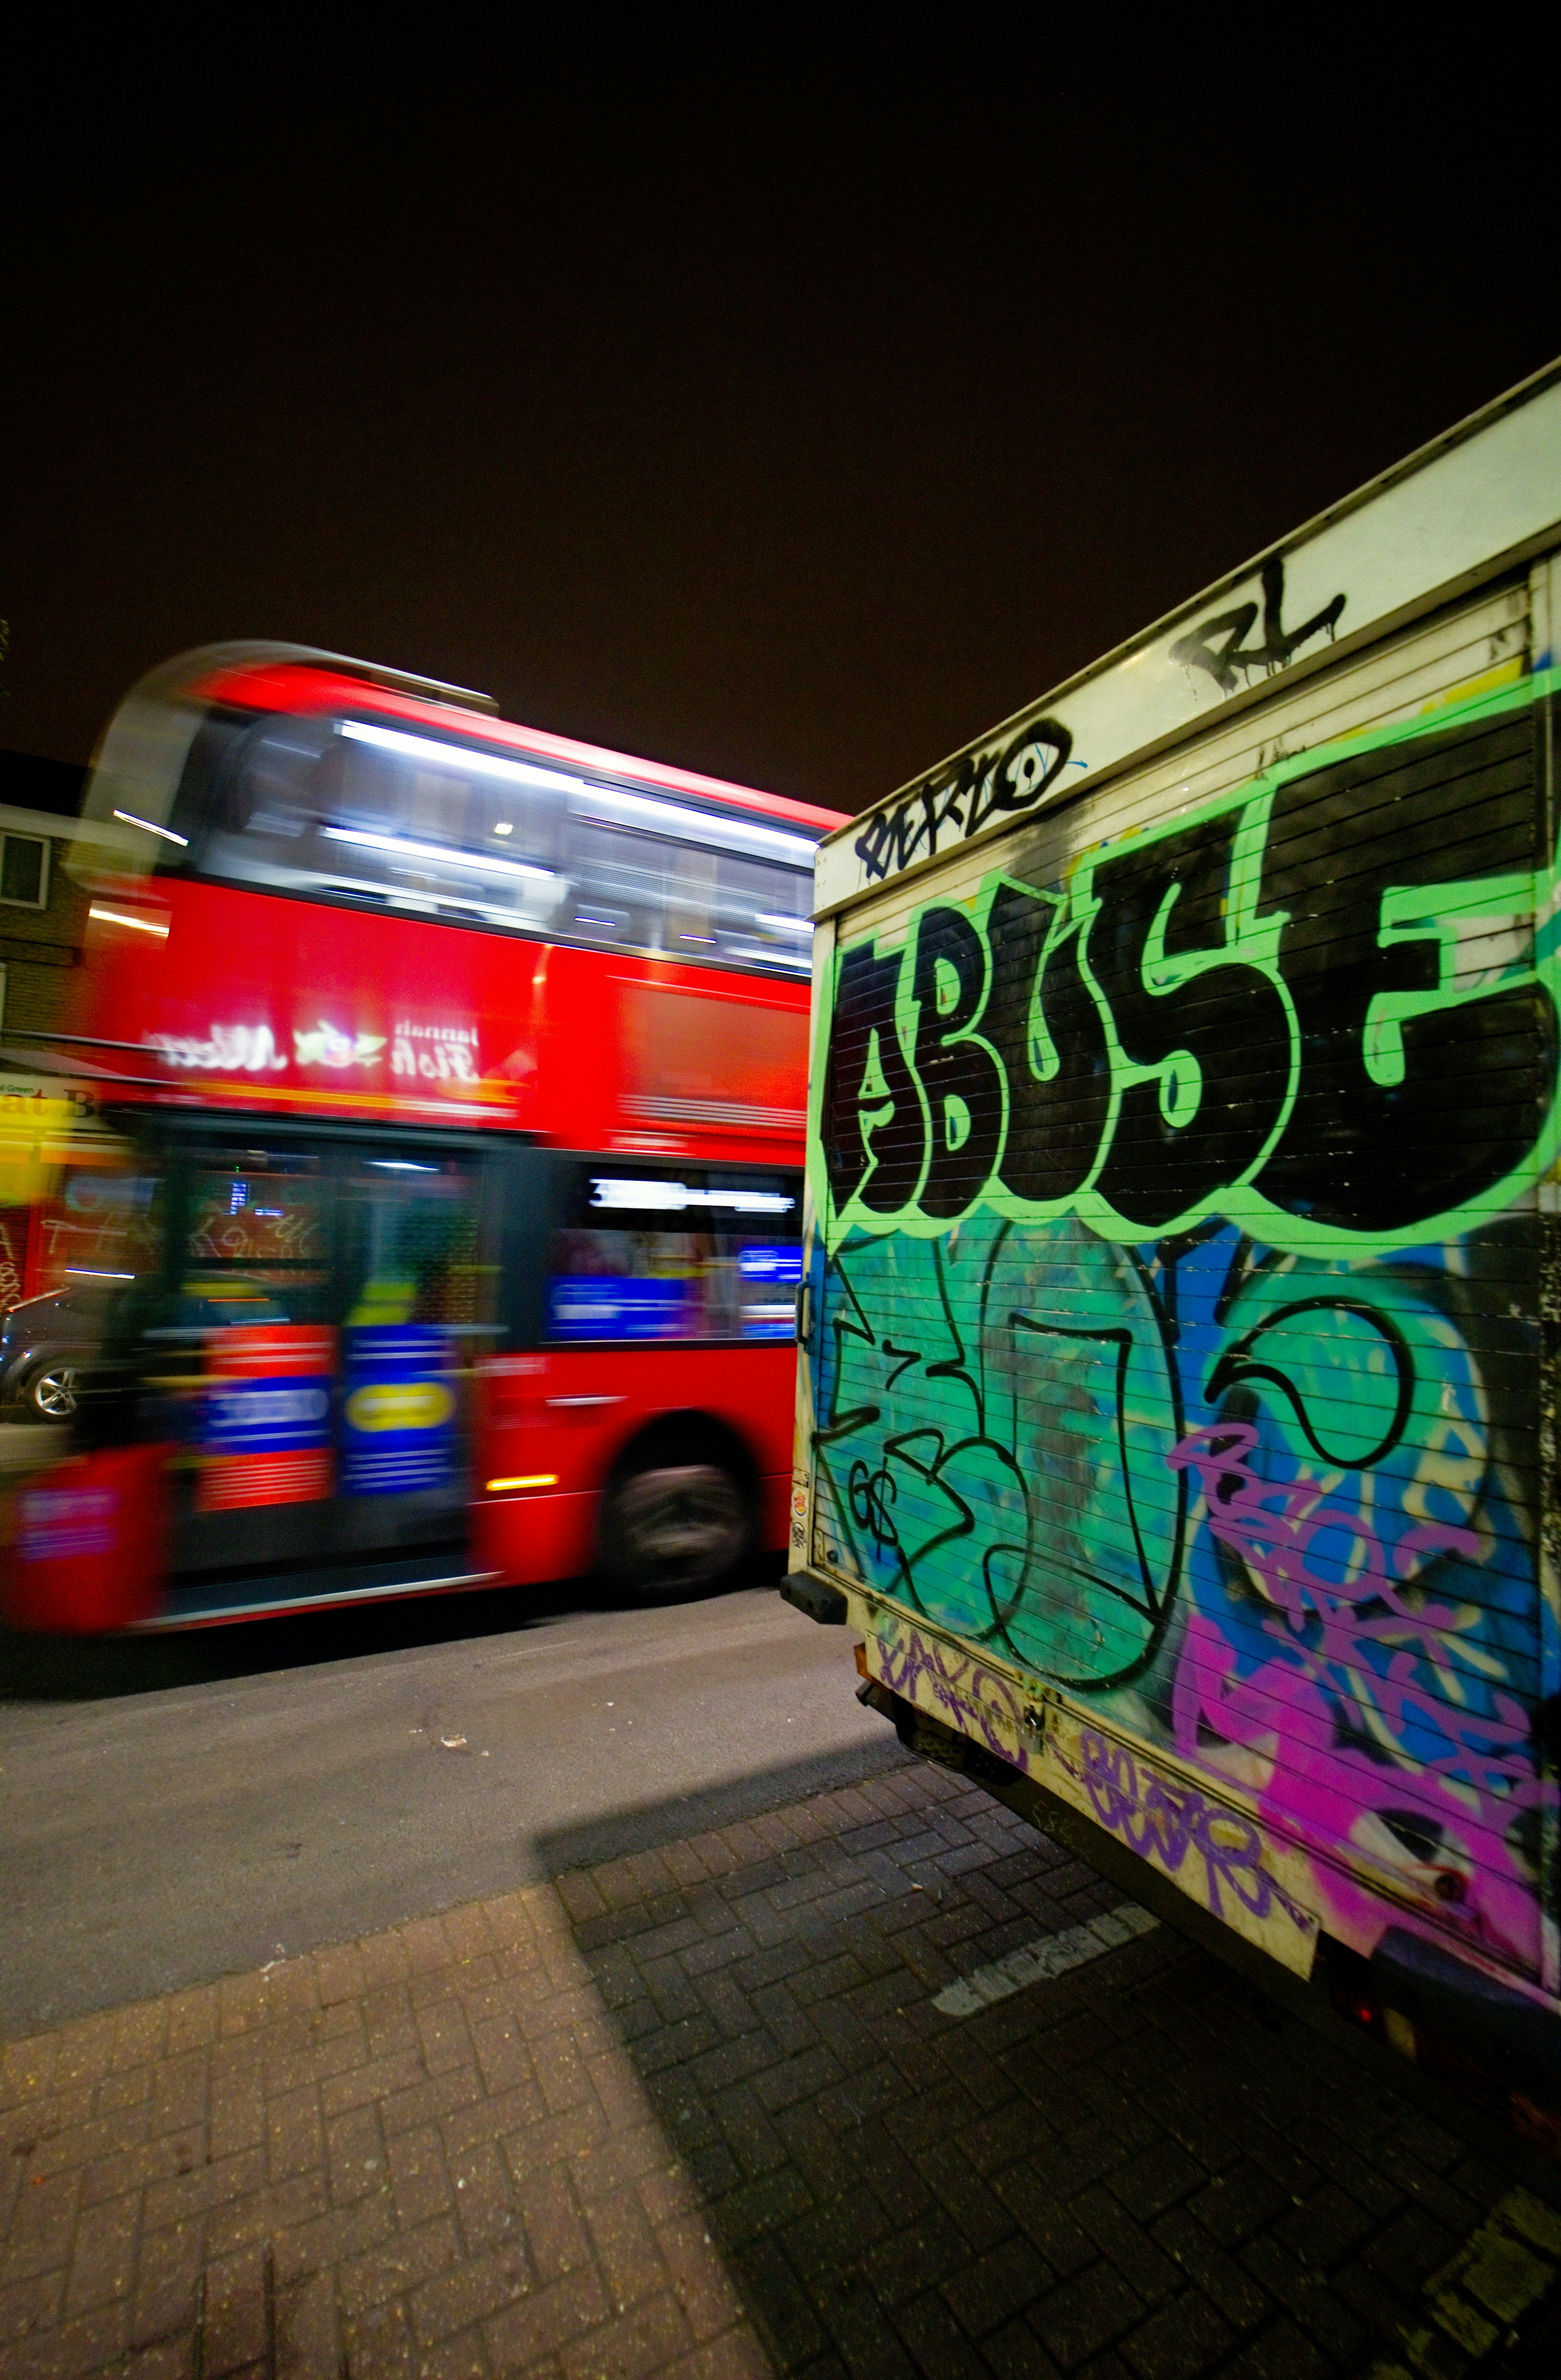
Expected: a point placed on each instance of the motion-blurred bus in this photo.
(460, 1075)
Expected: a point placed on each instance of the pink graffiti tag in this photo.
(1336, 1722)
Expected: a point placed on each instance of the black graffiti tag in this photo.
(960, 1073)
(872, 1493)
(911, 829)
(953, 807)
(1200, 649)
(1129, 1033)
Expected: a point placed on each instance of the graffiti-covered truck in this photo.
(1178, 1368)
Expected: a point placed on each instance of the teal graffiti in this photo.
(996, 1414)
(1275, 1498)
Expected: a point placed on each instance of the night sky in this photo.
(794, 430)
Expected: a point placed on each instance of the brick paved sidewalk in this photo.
(696, 2113)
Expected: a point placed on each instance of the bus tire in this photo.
(680, 1523)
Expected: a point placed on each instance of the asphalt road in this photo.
(177, 1809)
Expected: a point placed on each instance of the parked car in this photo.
(41, 1343)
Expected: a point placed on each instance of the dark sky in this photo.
(792, 428)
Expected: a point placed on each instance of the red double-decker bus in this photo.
(462, 1072)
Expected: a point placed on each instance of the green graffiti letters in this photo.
(1314, 1007)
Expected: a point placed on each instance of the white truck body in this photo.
(1175, 1399)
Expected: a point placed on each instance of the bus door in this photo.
(312, 1344)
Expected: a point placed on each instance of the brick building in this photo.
(43, 921)
(42, 929)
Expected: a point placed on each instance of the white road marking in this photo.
(1074, 1947)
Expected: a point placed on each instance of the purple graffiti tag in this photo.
(955, 1682)
(1274, 1545)
(1167, 1821)
(1333, 1725)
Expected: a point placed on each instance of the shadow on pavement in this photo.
(629, 1830)
(1139, 2166)
(711, 2111)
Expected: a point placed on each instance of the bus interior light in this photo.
(783, 925)
(119, 917)
(524, 1479)
(763, 954)
(147, 827)
(441, 854)
(90, 1272)
(675, 1198)
(399, 1165)
(434, 755)
(717, 829)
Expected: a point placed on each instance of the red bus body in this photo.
(265, 1011)
(417, 1024)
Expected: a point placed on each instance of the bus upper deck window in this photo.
(278, 790)
(405, 818)
(766, 914)
(667, 890)
(305, 802)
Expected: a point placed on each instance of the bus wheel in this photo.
(675, 1528)
(50, 1394)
